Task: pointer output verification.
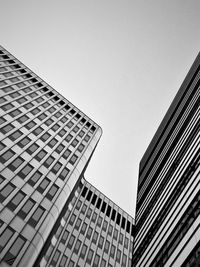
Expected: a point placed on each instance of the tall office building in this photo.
(168, 200)
(45, 146)
(91, 231)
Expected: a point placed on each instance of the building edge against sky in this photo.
(168, 202)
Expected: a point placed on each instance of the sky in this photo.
(121, 62)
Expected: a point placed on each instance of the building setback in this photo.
(168, 199)
(91, 231)
(45, 146)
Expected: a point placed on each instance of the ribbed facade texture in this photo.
(168, 200)
(91, 231)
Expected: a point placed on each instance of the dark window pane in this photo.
(49, 161)
(36, 176)
(15, 113)
(26, 208)
(64, 173)
(16, 163)
(15, 135)
(7, 128)
(36, 216)
(6, 191)
(53, 190)
(6, 156)
(24, 142)
(5, 237)
(25, 171)
(31, 149)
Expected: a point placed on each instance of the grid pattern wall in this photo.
(167, 217)
(45, 143)
(93, 232)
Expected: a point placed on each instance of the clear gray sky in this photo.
(120, 62)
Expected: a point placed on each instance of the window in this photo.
(55, 258)
(71, 263)
(16, 200)
(72, 219)
(5, 237)
(22, 119)
(7, 155)
(63, 120)
(2, 120)
(2, 83)
(6, 191)
(89, 212)
(15, 135)
(45, 136)
(16, 163)
(70, 124)
(62, 133)
(103, 263)
(71, 241)
(15, 113)
(63, 261)
(75, 129)
(94, 217)
(96, 260)
(56, 167)
(89, 233)
(87, 138)
(90, 256)
(14, 250)
(35, 111)
(39, 99)
(112, 251)
(115, 235)
(99, 222)
(83, 228)
(81, 147)
(55, 127)
(48, 122)
(81, 133)
(53, 190)
(41, 155)
(75, 142)
(7, 128)
(7, 107)
(53, 142)
(107, 246)
(110, 229)
(20, 85)
(15, 94)
(118, 257)
(77, 246)
(2, 146)
(73, 159)
(31, 149)
(25, 171)
(101, 240)
(64, 173)
(51, 110)
(59, 148)
(49, 161)
(26, 208)
(66, 153)
(24, 142)
(78, 205)
(42, 116)
(38, 130)
(105, 224)
(78, 223)
(94, 238)
(33, 95)
(34, 178)
(124, 259)
(68, 137)
(83, 251)
(30, 125)
(45, 105)
(65, 236)
(120, 238)
(43, 185)
(126, 242)
(28, 106)
(58, 114)
(33, 221)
